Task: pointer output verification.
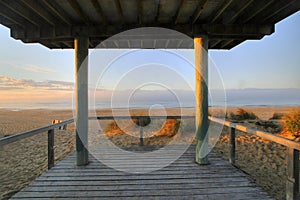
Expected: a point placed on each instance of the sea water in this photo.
(232, 98)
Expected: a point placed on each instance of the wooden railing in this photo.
(50, 129)
(292, 159)
(26, 134)
(292, 185)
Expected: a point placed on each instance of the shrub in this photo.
(169, 128)
(277, 116)
(242, 115)
(144, 121)
(292, 123)
(112, 129)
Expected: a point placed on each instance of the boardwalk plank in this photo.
(182, 179)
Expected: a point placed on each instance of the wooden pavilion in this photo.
(83, 24)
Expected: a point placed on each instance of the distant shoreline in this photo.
(145, 107)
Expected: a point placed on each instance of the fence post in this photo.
(232, 145)
(50, 148)
(292, 184)
(141, 133)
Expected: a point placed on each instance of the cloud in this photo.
(30, 68)
(7, 83)
(39, 69)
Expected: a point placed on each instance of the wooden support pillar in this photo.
(201, 70)
(81, 44)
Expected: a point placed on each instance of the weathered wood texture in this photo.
(55, 23)
(201, 94)
(50, 148)
(232, 145)
(268, 136)
(81, 115)
(292, 159)
(292, 184)
(183, 179)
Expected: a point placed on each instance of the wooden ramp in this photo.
(183, 179)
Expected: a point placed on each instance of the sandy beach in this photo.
(23, 161)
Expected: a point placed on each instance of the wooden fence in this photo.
(292, 159)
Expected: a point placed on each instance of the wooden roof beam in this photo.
(237, 13)
(5, 21)
(238, 29)
(33, 18)
(68, 44)
(158, 11)
(198, 11)
(214, 31)
(119, 9)
(220, 11)
(234, 43)
(139, 11)
(260, 9)
(214, 44)
(287, 11)
(226, 43)
(179, 44)
(58, 11)
(77, 8)
(167, 43)
(42, 12)
(99, 10)
(178, 11)
(15, 17)
(281, 5)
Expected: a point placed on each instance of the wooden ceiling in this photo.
(227, 23)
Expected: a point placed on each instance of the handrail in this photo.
(268, 136)
(142, 116)
(26, 134)
(292, 160)
(50, 129)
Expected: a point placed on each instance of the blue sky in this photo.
(273, 62)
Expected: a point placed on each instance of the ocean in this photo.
(232, 98)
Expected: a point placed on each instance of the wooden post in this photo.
(232, 145)
(201, 70)
(292, 184)
(50, 148)
(141, 131)
(141, 136)
(81, 45)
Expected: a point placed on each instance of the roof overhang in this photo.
(55, 23)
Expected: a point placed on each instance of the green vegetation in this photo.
(292, 123)
(242, 114)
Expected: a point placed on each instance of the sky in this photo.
(29, 71)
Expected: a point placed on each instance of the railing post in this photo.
(141, 133)
(292, 184)
(50, 148)
(232, 145)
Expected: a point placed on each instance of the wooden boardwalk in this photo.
(183, 179)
